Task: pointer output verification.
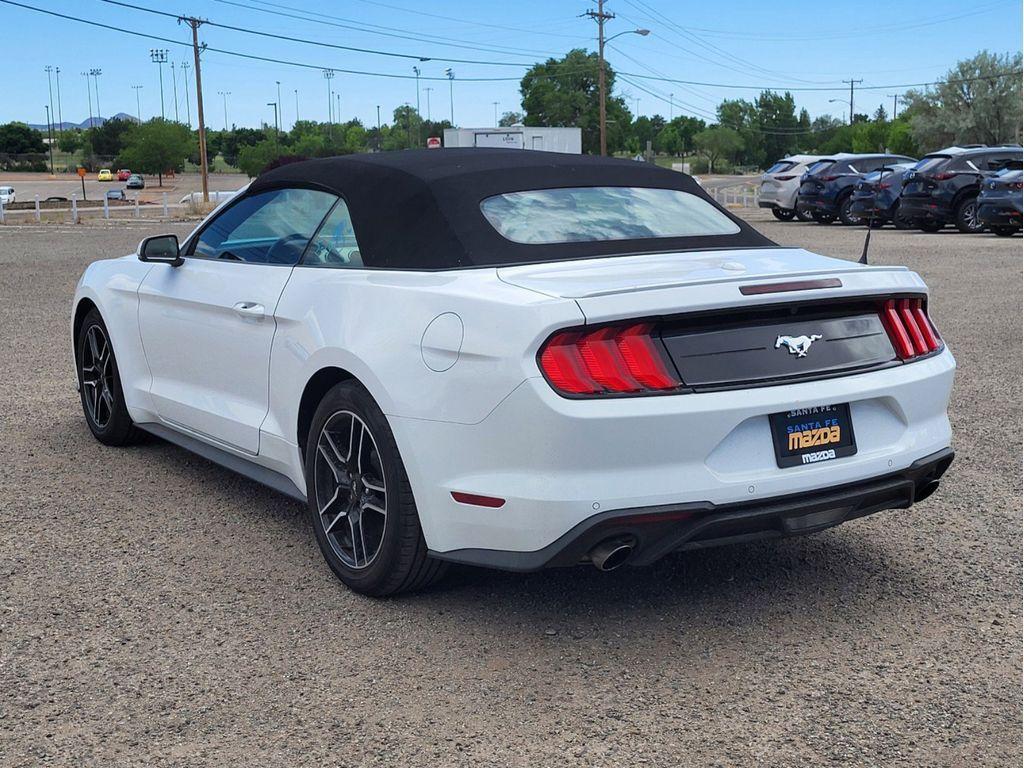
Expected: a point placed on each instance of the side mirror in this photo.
(160, 249)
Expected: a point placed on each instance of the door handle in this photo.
(250, 309)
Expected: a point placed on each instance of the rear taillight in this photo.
(945, 176)
(1015, 185)
(909, 327)
(612, 360)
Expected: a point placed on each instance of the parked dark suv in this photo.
(943, 188)
(827, 188)
(876, 197)
(1000, 203)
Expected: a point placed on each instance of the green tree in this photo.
(775, 118)
(158, 146)
(563, 92)
(232, 141)
(740, 116)
(718, 142)
(254, 158)
(70, 141)
(18, 139)
(509, 119)
(109, 138)
(977, 102)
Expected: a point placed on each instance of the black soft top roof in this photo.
(420, 209)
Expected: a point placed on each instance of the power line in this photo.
(259, 33)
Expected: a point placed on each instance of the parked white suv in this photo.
(780, 184)
(6, 195)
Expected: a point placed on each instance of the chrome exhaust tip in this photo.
(611, 554)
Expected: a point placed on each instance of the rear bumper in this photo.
(999, 214)
(558, 462)
(866, 209)
(817, 204)
(657, 531)
(925, 209)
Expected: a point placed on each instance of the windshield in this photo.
(581, 214)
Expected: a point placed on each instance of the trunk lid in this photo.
(664, 284)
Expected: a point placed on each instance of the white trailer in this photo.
(569, 140)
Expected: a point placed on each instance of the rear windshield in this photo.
(584, 214)
(820, 166)
(930, 162)
(782, 165)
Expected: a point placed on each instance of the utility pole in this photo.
(174, 84)
(427, 90)
(851, 82)
(601, 17)
(158, 56)
(88, 90)
(138, 102)
(49, 133)
(60, 112)
(96, 80)
(895, 96)
(203, 165)
(224, 95)
(49, 85)
(417, 71)
(277, 130)
(328, 76)
(188, 107)
(451, 91)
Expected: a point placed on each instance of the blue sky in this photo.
(764, 44)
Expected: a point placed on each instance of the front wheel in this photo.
(99, 384)
(1004, 230)
(967, 220)
(783, 214)
(360, 502)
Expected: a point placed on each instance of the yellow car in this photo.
(105, 175)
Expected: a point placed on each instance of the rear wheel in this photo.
(823, 218)
(783, 214)
(967, 220)
(360, 502)
(804, 215)
(900, 221)
(99, 384)
(846, 214)
(1004, 230)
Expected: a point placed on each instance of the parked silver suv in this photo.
(780, 184)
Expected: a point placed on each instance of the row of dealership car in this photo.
(974, 188)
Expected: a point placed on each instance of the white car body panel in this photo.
(781, 189)
(451, 359)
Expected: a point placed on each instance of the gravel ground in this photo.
(160, 611)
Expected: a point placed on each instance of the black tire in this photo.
(783, 214)
(967, 217)
(930, 226)
(804, 216)
(99, 384)
(900, 221)
(1004, 230)
(399, 562)
(823, 218)
(846, 215)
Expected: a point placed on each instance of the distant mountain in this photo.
(66, 126)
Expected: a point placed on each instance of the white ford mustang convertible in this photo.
(518, 360)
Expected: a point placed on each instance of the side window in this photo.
(268, 228)
(334, 244)
(998, 162)
(868, 164)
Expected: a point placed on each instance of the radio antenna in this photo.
(874, 207)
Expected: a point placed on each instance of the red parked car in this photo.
(123, 174)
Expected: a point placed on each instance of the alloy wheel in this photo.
(351, 495)
(970, 216)
(98, 376)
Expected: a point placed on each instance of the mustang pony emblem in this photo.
(797, 345)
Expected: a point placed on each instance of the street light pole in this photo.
(49, 133)
(188, 107)
(88, 91)
(158, 56)
(451, 91)
(277, 130)
(495, 103)
(279, 102)
(378, 127)
(224, 95)
(49, 85)
(138, 102)
(296, 105)
(96, 80)
(60, 112)
(174, 84)
(328, 75)
(895, 96)
(427, 91)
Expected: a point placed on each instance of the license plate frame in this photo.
(822, 433)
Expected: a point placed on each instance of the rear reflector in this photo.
(614, 359)
(478, 501)
(909, 327)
